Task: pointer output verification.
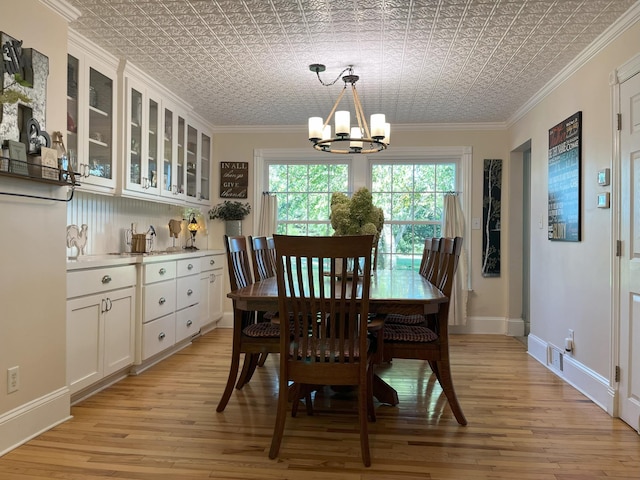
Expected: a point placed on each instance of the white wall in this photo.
(570, 282)
(32, 255)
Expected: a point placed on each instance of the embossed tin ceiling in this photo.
(245, 62)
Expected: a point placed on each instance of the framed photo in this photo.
(50, 163)
(565, 183)
(17, 157)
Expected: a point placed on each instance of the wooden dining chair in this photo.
(251, 337)
(429, 339)
(263, 261)
(324, 338)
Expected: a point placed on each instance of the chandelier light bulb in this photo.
(387, 133)
(315, 128)
(377, 125)
(355, 134)
(343, 120)
(326, 133)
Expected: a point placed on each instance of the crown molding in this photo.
(63, 8)
(630, 17)
(407, 127)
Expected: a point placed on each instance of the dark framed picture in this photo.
(234, 179)
(565, 183)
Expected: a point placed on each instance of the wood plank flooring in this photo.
(524, 423)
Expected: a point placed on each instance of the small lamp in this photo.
(192, 226)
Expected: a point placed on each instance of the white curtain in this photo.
(454, 227)
(268, 221)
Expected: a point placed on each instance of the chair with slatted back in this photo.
(428, 269)
(325, 342)
(263, 261)
(261, 258)
(250, 337)
(429, 340)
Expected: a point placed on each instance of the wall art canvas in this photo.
(234, 179)
(491, 211)
(565, 140)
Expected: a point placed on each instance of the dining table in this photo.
(391, 291)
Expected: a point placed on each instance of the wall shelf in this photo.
(35, 172)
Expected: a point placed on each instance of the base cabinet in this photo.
(212, 280)
(100, 326)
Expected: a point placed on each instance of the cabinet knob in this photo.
(189, 323)
(190, 266)
(162, 301)
(106, 279)
(161, 336)
(162, 271)
(212, 262)
(189, 292)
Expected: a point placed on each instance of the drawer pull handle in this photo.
(189, 292)
(162, 301)
(106, 279)
(212, 262)
(189, 323)
(162, 271)
(190, 267)
(161, 336)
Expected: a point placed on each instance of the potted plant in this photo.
(232, 212)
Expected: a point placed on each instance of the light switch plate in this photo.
(603, 177)
(603, 200)
(475, 224)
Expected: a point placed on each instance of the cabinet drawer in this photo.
(211, 262)
(158, 335)
(187, 322)
(159, 300)
(189, 266)
(85, 282)
(158, 272)
(188, 291)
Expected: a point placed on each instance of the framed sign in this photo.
(234, 179)
(565, 141)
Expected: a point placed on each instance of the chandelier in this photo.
(348, 139)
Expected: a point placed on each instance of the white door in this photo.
(629, 385)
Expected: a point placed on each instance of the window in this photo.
(407, 183)
(412, 198)
(304, 194)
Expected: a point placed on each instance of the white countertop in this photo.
(115, 259)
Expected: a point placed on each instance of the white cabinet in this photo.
(142, 139)
(169, 305)
(91, 115)
(204, 172)
(188, 299)
(173, 177)
(211, 279)
(100, 324)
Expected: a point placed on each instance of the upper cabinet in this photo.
(92, 117)
(128, 135)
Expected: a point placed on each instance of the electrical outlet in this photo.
(13, 379)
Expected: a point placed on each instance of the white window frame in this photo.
(360, 172)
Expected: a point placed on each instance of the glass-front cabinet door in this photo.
(142, 140)
(168, 184)
(91, 122)
(204, 193)
(192, 163)
(181, 159)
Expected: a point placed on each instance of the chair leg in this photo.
(263, 358)
(281, 414)
(443, 372)
(248, 367)
(363, 418)
(233, 373)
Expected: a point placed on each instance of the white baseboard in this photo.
(226, 321)
(512, 327)
(21, 424)
(591, 384)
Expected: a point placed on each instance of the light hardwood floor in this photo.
(524, 423)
